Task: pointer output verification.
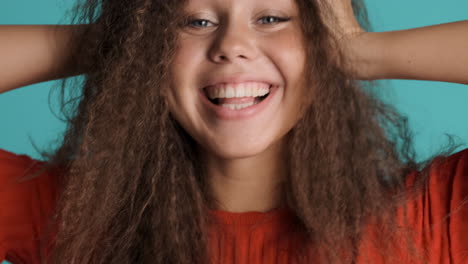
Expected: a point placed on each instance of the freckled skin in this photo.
(236, 40)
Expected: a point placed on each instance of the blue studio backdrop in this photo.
(433, 108)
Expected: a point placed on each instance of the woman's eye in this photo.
(198, 23)
(203, 23)
(273, 19)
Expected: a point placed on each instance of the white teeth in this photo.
(238, 106)
(230, 92)
(247, 89)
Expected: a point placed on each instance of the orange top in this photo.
(250, 237)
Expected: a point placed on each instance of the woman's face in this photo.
(230, 55)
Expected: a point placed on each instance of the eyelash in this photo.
(279, 20)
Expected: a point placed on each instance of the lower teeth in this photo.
(237, 106)
(241, 106)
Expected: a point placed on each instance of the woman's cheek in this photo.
(284, 45)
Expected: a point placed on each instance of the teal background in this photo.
(433, 108)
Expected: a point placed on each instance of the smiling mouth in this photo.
(236, 97)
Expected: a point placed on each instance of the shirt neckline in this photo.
(278, 216)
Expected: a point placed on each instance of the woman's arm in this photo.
(36, 53)
(436, 53)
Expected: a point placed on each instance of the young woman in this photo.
(232, 131)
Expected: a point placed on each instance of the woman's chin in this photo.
(236, 150)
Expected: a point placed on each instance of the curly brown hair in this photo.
(122, 198)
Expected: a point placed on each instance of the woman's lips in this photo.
(230, 110)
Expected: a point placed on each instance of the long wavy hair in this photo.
(132, 188)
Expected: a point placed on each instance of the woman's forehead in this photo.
(291, 4)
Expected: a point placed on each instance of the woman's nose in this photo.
(233, 43)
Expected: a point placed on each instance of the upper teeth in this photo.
(230, 90)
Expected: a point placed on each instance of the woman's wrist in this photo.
(365, 55)
(434, 53)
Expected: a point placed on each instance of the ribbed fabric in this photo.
(252, 237)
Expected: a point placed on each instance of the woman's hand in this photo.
(346, 30)
(343, 23)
